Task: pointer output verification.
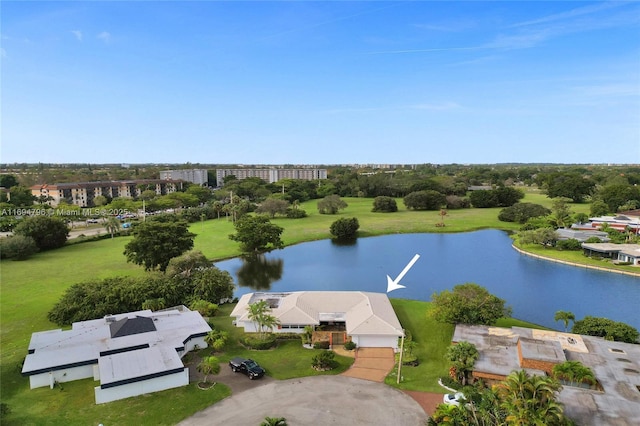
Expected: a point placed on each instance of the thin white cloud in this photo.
(77, 34)
(570, 14)
(445, 106)
(105, 36)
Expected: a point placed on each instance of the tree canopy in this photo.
(257, 233)
(468, 303)
(331, 204)
(604, 327)
(47, 232)
(384, 204)
(425, 200)
(156, 242)
(345, 228)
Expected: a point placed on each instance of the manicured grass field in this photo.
(29, 289)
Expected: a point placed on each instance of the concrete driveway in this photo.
(372, 364)
(319, 400)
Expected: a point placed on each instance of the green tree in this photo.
(112, 225)
(273, 206)
(425, 200)
(204, 307)
(546, 237)
(617, 195)
(274, 421)
(155, 243)
(212, 284)
(21, 196)
(47, 232)
(531, 400)
(202, 193)
(560, 213)
(100, 201)
(17, 247)
(331, 204)
(257, 233)
(154, 304)
(507, 196)
(598, 208)
(187, 263)
(462, 356)
(384, 204)
(217, 339)
(571, 185)
(468, 303)
(345, 228)
(8, 181)
(260, 314)
(521, 212)
(325, 360)
(604, 327)
(209, 365)
(483, 199)
(565, 317)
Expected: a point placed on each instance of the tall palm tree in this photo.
(259, 314)
(565, 317)
(112, 225)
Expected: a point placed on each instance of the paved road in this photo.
(320, 400)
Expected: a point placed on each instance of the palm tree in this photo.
(531, 400)
(463, 356)
(259, 314)
(112, 225)
(274, 421)
(216, 339)
(209, 365)
(574, 372)
(565, 317)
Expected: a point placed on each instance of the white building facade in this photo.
(130, 354)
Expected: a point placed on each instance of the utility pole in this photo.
(400, 358)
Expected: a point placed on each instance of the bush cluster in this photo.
(349, 346)
(258, 343)
(321, 345)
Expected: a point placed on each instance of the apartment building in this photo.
(197, 176)
(271, 175)
(83, 194)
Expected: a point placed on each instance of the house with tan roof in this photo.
(365, 318)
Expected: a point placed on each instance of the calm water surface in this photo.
(534, 288)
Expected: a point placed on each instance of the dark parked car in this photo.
(246, 366)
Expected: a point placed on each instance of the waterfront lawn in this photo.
(433, 339)
(288, 360)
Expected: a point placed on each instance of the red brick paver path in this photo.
(427, 400)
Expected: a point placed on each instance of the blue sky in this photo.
(320, 82)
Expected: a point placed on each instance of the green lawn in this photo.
(432, 338)
(29, 289)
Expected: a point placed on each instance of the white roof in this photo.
(87, 340)
(364, 312)
(144, 362)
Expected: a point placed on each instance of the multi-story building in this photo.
(271, 175)
(83, 194)
(197, 176)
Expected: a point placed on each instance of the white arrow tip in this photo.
(392, 285)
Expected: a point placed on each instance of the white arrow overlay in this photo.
(393, 284)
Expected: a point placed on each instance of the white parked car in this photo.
(454, 398)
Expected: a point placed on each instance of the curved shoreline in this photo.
(582, 265)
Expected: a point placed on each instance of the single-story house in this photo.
(619, 222)
(620, 252)
(616, 366)
(581, 235)
(130, 354)
(365, 318)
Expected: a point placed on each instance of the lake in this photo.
(534, 288)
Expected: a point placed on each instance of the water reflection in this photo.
(344, 243)
(257, 272)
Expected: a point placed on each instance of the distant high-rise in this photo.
(197, 176)
(272, 175)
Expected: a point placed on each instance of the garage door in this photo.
(377, 342)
